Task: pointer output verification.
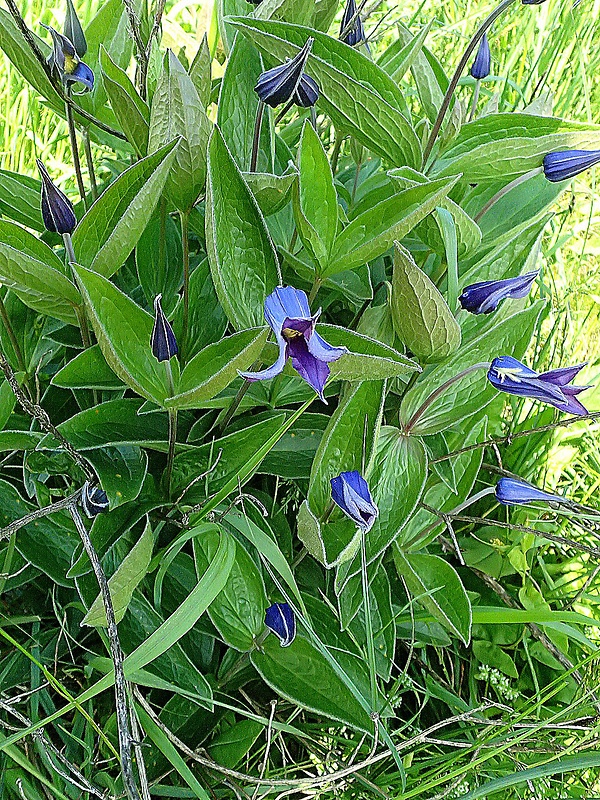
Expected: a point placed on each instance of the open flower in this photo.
(565, 164)
(350, 492)
(288, 314)
(508, 375)
(65, 62)
(352, 31)
(94, 500)
(57, 209)
(513, 492)
(162, 341)
(288, 82)
(280, 619)
(483, 60)
(484, 297)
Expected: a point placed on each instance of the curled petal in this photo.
(307, 92)
(81, 74)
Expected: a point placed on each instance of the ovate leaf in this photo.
(132, 113)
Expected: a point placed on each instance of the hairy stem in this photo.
(256, 141)
(505, 190)
(234, 406)
(185, 241)
(475, 100)
(75, 153)
(89, 160)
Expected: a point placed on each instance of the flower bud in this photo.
(162, 341)
(280, 619)
(350, 492)
(288, 82)
(565, 164)
(94, 500)
(483, 60)
(57, 209)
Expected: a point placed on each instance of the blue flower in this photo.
(483, 60)
(289, 82)
(565, 164)
(484, 297)
(57, 209)
(508, 375)
(280, 619)
(352, 31)
(350, 492)
(162, 341)
(94, 500)
(288, 314)
(513, 492)
(66, 63)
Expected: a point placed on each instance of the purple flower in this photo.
(483, 60)
(350, 492)
(565, 164)
(66, 63)
(513, 492)
(94, 500)
(288, 82)
(508, 375)
(162, 341)
(57, 209)
(352, 31)
(483, 298)
(288, 313)
(280, 619)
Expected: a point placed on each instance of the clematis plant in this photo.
(57, 210)
(514, 492)
(280, 620)
(484, 297)
(350, 492)
(65, 62)
(566, 164)
(288, 82)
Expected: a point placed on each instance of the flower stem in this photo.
(314, 290)
(368, 621)
(505, 190)
(68, 242)
(485, 25)
(474, 100)
(234, 406)
(185, 241)
(256, 141)
(75, 151)
(440, 390)
(172, 430)
(89, 160)
(12, 336)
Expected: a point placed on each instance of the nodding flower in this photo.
(288, 314)
(280, 620)
(288, 82)
(65, 62)
(162, 341)
(514, 492)
(94, 500)
(565, 164)
(57, 209)
(483, 60)
(352, 31)
(484, 297)
(508, 375)
(350, 492)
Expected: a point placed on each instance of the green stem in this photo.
(234, 406)
(368, 622)
(89, 160)
(474, 100)
(12, 336)
(8, 557)
(172, 430)
(83, 327)
(506, 189)
(70, 252)
(440, 390)
(256, 141)
(485, 25)
(185, 241)
(314, 290)
(75, 152)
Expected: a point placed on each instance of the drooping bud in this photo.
(57, 209)
(162, 341)
(350, 492)
(280, 619)
(73, 30)
(352, 31)
(483, 60)
(94, 500)
(288, 81)
(514, 492)
(566, 164)
(484, 297)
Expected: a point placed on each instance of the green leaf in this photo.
(123, 330)
(374, 231)
(238, 611)
(132, 113)
(130, 572)
(400, 56)
(297, 11)
(159, 259)
(233, 743)
(216, 366)
(20, 199)
(177, 111)
(494, 656)
(88, 370)
(422, 318)
(293, 455)
(301, 674)
(242, 256)
(434, 584)
(358, 96)
(238, 106)
(500, 147)
(207, 322)
(428, 75)
(200, 71)
(111, 228)
(121, 471)
(271, 192)
(367, 359)
(510, 336)
(315, 200)
(35, 274)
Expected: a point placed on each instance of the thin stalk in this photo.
(314, 289)
(440, 390)
(12, 336)
(485, 26)
(506, 189)
(172, 430)
(256, 141)
(121, 699)
(75, 152)
(475, 100)
(83, 327)
(184, 217)
(368, 622)
(89, 160)
(234, 406)
(335, 154)
(70, 252)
